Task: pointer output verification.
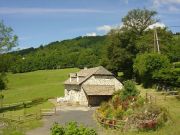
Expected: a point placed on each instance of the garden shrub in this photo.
(128, 112)
(140, 101)
(149, 117)
(118, 113)
(71, 128)
(129, 90)
(57, 129)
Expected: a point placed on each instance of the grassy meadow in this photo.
(37, 84)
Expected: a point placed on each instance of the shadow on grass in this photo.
(22, 105)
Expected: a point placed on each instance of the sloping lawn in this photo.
(38, 84)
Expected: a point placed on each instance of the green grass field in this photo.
(43, 83)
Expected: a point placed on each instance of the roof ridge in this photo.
(98, 68)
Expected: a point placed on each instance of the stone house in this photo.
(91, 86)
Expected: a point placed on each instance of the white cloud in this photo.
(105, 28)
(93, 34)
(161, 25)
(7, 10)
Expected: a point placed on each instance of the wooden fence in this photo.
(111, 123)
(153, 97)
(48, 112)
(16, 104)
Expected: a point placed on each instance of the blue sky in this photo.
(39, 22)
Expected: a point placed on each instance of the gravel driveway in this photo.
(81, 115)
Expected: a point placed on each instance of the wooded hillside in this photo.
(77, 52)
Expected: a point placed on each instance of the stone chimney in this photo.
(71, 76)
(77, 78)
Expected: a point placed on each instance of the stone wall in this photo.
(76, 94)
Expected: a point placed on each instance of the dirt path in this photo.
(81, 115)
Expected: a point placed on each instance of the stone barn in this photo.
(91, 86)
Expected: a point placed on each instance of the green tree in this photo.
(139, 19)
(145, 65)
(7, 41)
(145, 42)
(122, 48)
(174, 49)
(7, 38)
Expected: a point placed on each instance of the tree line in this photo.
(79, 52)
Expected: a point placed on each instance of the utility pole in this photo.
(156, 41)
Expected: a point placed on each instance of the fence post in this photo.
(40, 113)
(146, 97)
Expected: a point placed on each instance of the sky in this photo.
(39, 22)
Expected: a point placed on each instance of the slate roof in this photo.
(99, 89)
(84, 74)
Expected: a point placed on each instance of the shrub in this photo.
(145, 65)
(140, 101)
(118, 113)
(150, 117)
(128, 112)
(57, 129)
(116, 101)
(129, 90)
(71, 128)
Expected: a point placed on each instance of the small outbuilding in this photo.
(91, 86)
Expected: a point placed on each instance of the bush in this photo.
(129, 90)
(150, 117)
(145, 65)
(71, 128)
(140, 101)
(57, 129)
